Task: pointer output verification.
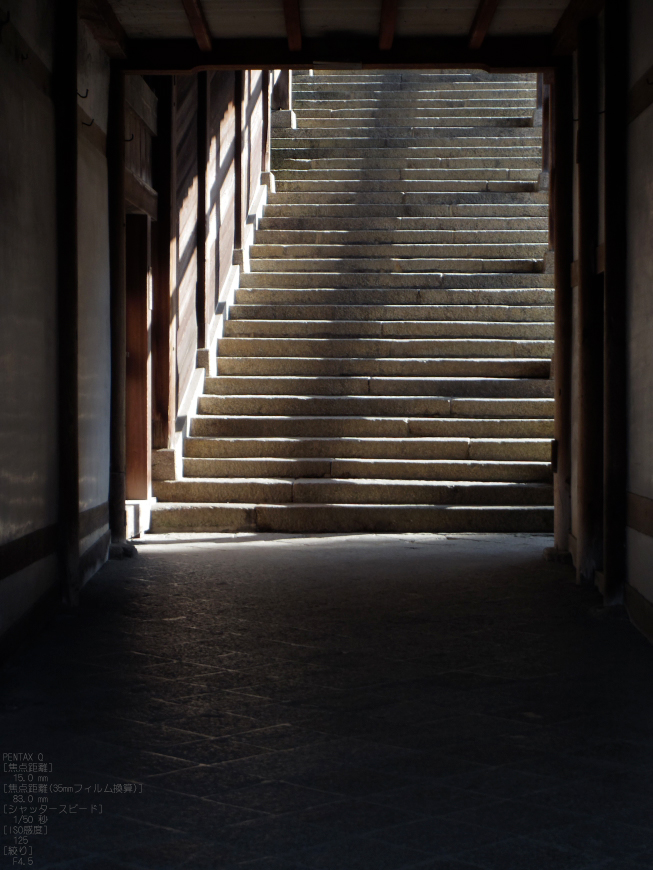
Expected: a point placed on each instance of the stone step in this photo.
(353, 491)
(440, 177)
(377, 469)
(323, 518)
(397, 224)
(284, 251)
(457, 297)
(459, 148)
(370, 150)
(401, 192)
(486, 313)
(384, 265)
(487, 367)
(501, 101)
(370, 427)
(479, 240)
(520, 193)
(515, 112)
(373, 406)
(441, 205)
(378, 347)
(507, 449)
(404, 179)
(405, 161)
(295, 329)
(324, 385)
(430, 78)
(423, 281)
(413, 126)
(476, 121)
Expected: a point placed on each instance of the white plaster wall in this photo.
(28, 349)
(94, 288)
(93, 68)
(640, 299)
(34, 20)
(94, 327)
(641, 37)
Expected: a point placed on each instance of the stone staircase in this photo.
(386, 364)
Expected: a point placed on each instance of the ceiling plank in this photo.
(388, 24)
(293, 24)
(105, 27)
(199, 26)
(565, 34)
(498, 53)
(482, 20)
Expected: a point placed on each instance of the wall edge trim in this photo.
(640, 96)
(22, 552)
(640, 611)
(640, 514)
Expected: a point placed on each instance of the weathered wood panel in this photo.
(254, 132)
(186, 216)
(138, 147)
(137, 396)
(224, 129)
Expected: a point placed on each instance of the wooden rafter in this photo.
(565, 35)
(105, 27)
(388, 24)
(199, 26)
(293, 24)
(482, 20)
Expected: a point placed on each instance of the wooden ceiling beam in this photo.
(500, 54)
(388, 24)
(565, 35)
(293, 24)
(105, 27)
(198, 24)
(485, 12)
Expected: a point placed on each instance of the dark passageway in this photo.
(340, 702)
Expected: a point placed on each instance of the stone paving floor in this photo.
(339, 703)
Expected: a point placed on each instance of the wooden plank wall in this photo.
(138, 150)
(254, 127)
(177, 168)
(186, 214)
(221, 198)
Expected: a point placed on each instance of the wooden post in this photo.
(546, 128)
(138, 374)
(265, 159)
(589, 550)
(202, 158)
(64, 94)
(116, 168)
(164, 328)
(239, 88)
(615, 352)
(282, 91)
(561, 196)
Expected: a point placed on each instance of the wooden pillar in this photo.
(615, 351)
(589, 553)
(239, 212)
(562, 180)
(282, 91)
(265, 160)
(116, 167)
(202, 158)
(64, 94)
(138, 372)
(164, 324)
(546, 128)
